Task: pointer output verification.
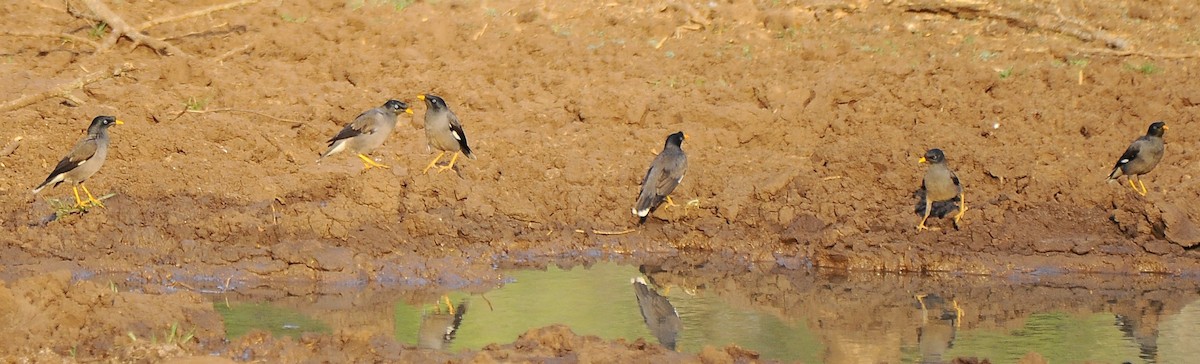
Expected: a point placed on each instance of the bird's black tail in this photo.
(466, 149)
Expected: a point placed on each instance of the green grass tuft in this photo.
(1144, 68)
(1006, 73)
(195, 104)
(98, 30)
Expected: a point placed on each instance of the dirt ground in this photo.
(805, 121)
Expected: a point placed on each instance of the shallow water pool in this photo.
(788, 315)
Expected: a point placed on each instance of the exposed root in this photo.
(65, 89)
(976, 9)
(122, 29)
(11, 146)
(695, 21)
(193, 14)
(222, 57)
(1115, 53)
(295, 123)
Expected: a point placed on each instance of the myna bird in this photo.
(934, 339)
(1141, 157)
(940, 192)
(439, 329)
(367, 132)
(658, 313)
(666, 171)
(83, 161)
(443, 131)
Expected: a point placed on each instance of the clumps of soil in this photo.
(53, 314)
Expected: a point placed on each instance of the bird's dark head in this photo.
(676, 139)
(433, 101)
(933, 156)
(103, 122)
(397, 106)
(1157, 129)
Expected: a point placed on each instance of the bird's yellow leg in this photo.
(451, 165)
(91, 199)
(924, 314)
(78, 202)
(958, 311)
(921, 226)
(449, 306)
(962, 208)
(1135, 188)
(1144, 190)
(670, 203)
(368, 162)
(433, 162)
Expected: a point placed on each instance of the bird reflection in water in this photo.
(658, 313)
(935, 337)
(439, 328)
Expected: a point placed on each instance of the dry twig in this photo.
(11, 146)
(64, 90)
(973, 9)
(1115, 53)
(602, 232)
(295, 123)
(222, 57)
(193, 14)
(72, 37)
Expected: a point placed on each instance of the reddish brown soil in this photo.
(805, 120)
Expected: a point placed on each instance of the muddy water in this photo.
(827, 318)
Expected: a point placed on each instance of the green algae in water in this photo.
(241, 318)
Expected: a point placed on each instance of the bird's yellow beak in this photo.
(421, 97)
(1165, 127)
(685, 136)
(408, 111)
(119, 122)
(922, 160)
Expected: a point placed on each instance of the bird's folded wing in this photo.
(456, 127)
(668, 179)
(363, 124)
(78, 156)
(1130, 154)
